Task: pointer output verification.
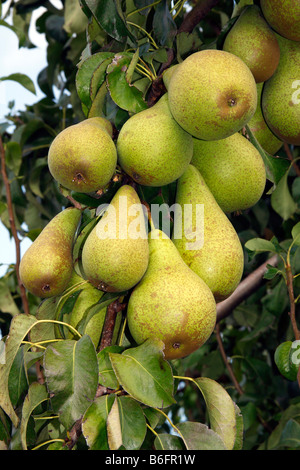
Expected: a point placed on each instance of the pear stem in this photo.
(13, 228)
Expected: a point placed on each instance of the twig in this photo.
(224, 356)
(74, 202)
(13, 227)
(201, 9)
(109, 323)
(292, 313)
(247, 287)
(290, 157)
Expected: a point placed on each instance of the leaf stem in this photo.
(173, 426)
(145, 32)
(48, 442)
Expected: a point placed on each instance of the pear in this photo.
(47, 265)
(283, 17)
(212, 95)
(207, 241)
(167, 74)
(152, 147)
(255, 43)
(171, 302)
(115, 254)
(261, 131)
(233, 170)
(101, 122)
(83, 156)
(281, 94)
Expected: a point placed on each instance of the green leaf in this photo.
(290, 436)
(260, 245)
(88, 78)
(220, 409)
(19, 328)
(71, 372)
(296, 234)
(163, 24)
(109, 17)
(17, 382)
(276, 167)
(282, 359)
(281, 199)
(22, 79)
(271, 272)
(132, 423)
(144, 374)
(37, 394)
(13, 156)
(7, 303)
(107, 377)
(124, 94)
(94, 422)
(168, 442)
(238, 443)
(45, 330)
(198, 436)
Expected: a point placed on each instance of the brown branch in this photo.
(75, 203)
(224, 356)
(197, 14)
(109, 323)
(291, 158)
(292, 313)
(13, 227)
(247, 287)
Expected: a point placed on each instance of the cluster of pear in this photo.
(193, 135)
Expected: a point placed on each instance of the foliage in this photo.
(107, 58)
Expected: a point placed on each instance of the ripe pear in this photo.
(152, 147)
(171, 302)
(101, 122)
(212, 95)
(115, 254)
(281, 94)
(47, 265)
(283, 17)
(207, 241)
(83, 156)
(233, 170)
(261, 131)
(167, 74)
(255, 43)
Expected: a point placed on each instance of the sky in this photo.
(29, 62)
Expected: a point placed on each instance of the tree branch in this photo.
(247, 287)
(224, 356)
(109, 323)
(13, 227)
(197, 14)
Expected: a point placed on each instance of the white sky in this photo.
(29, 62)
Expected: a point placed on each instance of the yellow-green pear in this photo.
(212, 95)
(167, 74)
(83, 156)
(171, 302)
(101, 122)
(233, 169)
(204, 236)
(261, 131)
(281, 94)
(152, 148)
(47, 265)
(255, 43)
(115, 254)
(283, 16)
